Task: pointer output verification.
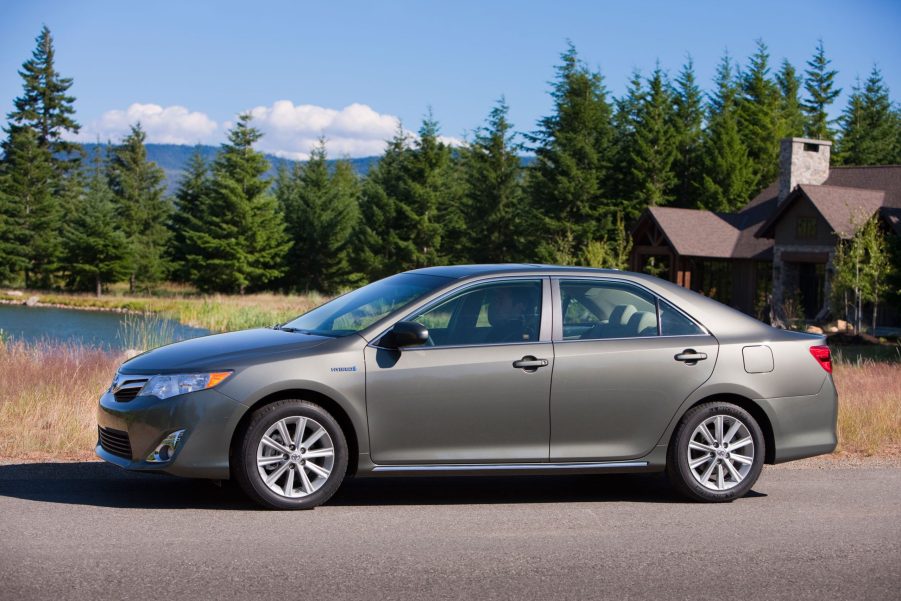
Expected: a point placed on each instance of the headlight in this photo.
(167, 386)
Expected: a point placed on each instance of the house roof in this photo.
(879, 177)
(725, 235)
(739, 235)
(843, 208)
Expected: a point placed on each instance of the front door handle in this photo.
(530, 363)
(690, 356)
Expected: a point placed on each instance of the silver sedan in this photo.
(479, 370)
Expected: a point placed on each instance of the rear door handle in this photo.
(690, 356)
(530, 363)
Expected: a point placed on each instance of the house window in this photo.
(713, 279)
(806, 228)
(811, 147)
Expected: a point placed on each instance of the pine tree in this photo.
(729, 179)
(494, 193)
(379, 250)
(759, 117)
(688, 123)
(897, 156)
(321, 211)
(656, 144)
(96, 250)
(188, 214)
(791, 113)
(821, 92)
(139, 187)
(33, 213)
(36, 161)
(429, 203)
(574, 150)
(621, 180)
(45, 106)
(868, 125)
(242, 243)
(13, 252)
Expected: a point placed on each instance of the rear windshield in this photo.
(357, 310)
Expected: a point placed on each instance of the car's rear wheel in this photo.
(716, 453)
(291, 455)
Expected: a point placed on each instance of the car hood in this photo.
(221, 351)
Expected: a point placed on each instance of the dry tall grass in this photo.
(869, 407)
(48, 397)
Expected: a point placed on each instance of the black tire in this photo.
(244, 458)
(680, 474)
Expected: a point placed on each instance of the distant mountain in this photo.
(173, 158)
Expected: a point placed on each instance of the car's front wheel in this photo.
(716, 453)
(292, 454)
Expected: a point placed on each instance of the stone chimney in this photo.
(802, 161)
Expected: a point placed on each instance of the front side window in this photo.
(599, 310)
(496, 313)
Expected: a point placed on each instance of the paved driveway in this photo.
(90, 531)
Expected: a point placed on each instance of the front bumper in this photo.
(208, 417)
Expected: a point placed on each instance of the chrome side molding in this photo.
(462, 467)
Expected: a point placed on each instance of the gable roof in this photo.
(725, 235)
(842, 208)
(878, 177)
(740, 235)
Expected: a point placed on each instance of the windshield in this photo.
(364, 306)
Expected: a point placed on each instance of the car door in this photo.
(479, 391)
(624, 361)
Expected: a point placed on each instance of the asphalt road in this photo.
(90, 531)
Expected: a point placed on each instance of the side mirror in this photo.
(405, 333)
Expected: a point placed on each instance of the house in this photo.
(778, 250)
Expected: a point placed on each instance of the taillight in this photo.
(823, 357)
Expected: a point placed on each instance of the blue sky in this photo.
(350, 69)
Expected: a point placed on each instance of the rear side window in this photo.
(674, 323)
(599, 310)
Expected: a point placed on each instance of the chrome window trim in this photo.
(408, 349)
(635, 338)
(544, 330)
(557, 334)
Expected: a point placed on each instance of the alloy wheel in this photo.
(720, 452)
(295, 456)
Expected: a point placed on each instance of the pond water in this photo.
(106, 329)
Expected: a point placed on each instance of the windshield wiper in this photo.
(293, 330)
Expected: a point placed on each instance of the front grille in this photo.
(115, 442)
(128, 390)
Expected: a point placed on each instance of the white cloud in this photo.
(164, 125)
(292, 130)
(452, 141)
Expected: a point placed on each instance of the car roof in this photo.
(465, 271)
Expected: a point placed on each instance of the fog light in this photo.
(166, 449)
